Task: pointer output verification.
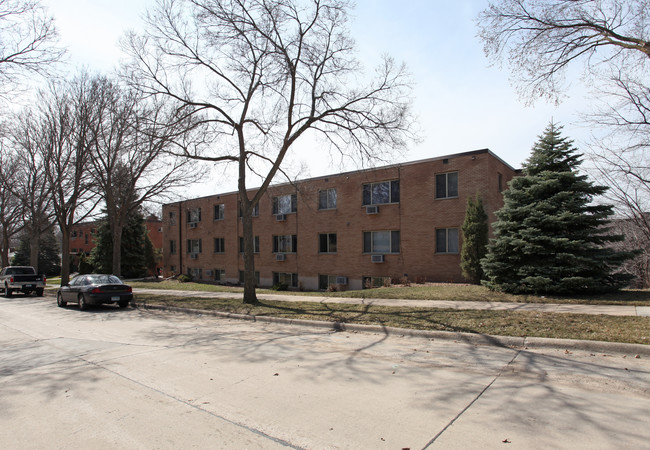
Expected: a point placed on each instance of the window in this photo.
(447, 240)
(285, 244)
(288, 279)
(256, 244)
(327, 199)
(193, 215)
(380, 193)
(500, 182)
(86, 239)
(219, 275)
(381, 241)
(325, 281)
(172, 220)
(285, 204)
(194, 246)
(196, 274)
(327, 243)
(257, 277)
(172, 247)
(447, 185)
(256, 210)
(172, 269)
(219, 245)
(219, 211)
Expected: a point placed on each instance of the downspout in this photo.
(180, 238)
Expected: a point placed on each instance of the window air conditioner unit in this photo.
(372, 209)
(280, 217)
(280, 257)
(377, 258)
(192, 224)
(342, 280)
(193, 255)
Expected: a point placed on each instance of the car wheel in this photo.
(83, 305)
(123, 303)
(7, 292)
(39, 292)
(59, 300)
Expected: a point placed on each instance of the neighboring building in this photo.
(350, 230)
(82, 236)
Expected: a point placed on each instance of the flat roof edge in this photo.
(320, 177)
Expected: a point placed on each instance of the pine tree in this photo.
(49, 261)
(133, 248)
(475, 240)
(550, 236)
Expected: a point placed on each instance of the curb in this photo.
(467, 338)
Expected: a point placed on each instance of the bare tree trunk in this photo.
(250, 296)
(5, 248)
(34, 244)
(116, 231)
(65, 257)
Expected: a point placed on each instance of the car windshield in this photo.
(102, 279)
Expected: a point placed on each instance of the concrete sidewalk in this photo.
(610, 310)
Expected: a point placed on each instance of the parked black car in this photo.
(94, 290)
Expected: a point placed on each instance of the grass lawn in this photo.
(636, 297)
(628, 329)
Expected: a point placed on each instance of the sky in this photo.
(462, 103)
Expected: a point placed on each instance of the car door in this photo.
(69, 292)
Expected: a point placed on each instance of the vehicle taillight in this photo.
(44, 279)
(96, 291)
(11, 280)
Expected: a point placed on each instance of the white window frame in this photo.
(222, 246)
(285, 243)
(373, 246)
(327, 199)
(456, 241)
(443, 195)
(371, 189)
(219, 211)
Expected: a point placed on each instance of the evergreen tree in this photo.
(550, 237)
(134, 235)
(49, 261)
(475, 240)
(85, 264)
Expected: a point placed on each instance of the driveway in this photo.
(110, 378)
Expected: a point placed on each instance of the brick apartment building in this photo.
(350, 230)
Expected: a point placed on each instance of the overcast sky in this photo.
(462, 103)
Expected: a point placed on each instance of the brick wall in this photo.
(416, 217)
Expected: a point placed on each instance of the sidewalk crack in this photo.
(469, 405)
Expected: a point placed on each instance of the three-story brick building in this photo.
(350, 230)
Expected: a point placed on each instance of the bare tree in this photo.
(27, 42)
(66, 113)
(33, 189)
(541, 39)
(11, 212)
(130, 156)
(261, 74)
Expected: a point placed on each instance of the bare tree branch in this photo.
(260, 74)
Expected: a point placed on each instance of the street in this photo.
(111, 378)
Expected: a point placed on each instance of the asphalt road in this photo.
(110, 378)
